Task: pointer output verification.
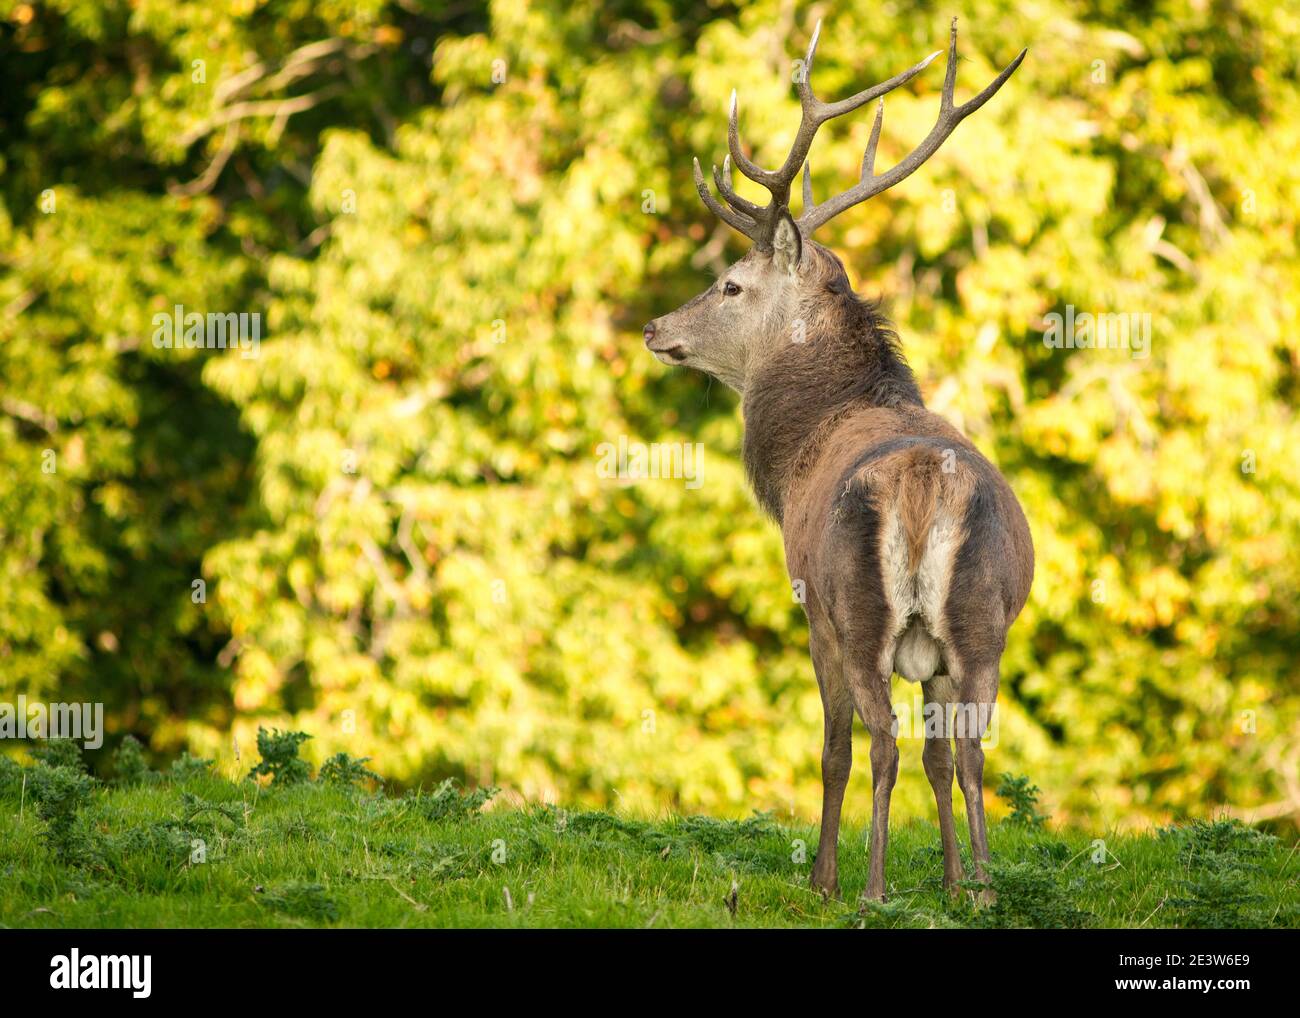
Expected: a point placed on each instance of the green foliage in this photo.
(11, 777)
(129, 764)
(137, 855)
(218, 853)
(187, 768)
(279, 752)
(302, 900)
(1028, 894)
(1023, 799)
(713, 835)
(194, 806)
(1219, 899)
(1207, 843)
(447, 801)
(394, 510)
(59, 795)
(1221, 858)
(59, 753)
(341, 769)
(899, 914)
(753, 845)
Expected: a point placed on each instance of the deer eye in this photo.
(730, 289)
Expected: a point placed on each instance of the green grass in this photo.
(79, 853)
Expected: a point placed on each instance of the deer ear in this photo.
(787, 244)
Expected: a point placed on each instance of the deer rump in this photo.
(916, 499)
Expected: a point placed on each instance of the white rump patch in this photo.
(916, 601)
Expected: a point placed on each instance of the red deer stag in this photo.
(913, 553)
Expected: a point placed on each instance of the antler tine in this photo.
(950, 71)
(805, 79)
(723, 180)
(808, 203)
(950, 116)
(750, 169)
(736, 220)
(869, 156)
(828, 111)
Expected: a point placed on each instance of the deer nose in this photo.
(649, 331)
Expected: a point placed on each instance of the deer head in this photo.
(754, 305)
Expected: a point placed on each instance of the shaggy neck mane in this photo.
(849, 361)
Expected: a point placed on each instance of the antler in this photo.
(759, 222)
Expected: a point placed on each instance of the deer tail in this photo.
(918, 500)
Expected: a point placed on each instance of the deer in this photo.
(908, 546)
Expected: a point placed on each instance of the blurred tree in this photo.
(453, 219)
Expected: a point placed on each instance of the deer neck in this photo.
(796, 398)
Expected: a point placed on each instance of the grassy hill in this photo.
(191, 848)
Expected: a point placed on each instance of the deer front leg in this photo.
(837, 761)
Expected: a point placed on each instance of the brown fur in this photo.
(813, 408)
(909, 480)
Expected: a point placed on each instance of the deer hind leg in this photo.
(870, 689)
(979, 693)
(940, 692)
(837, 757)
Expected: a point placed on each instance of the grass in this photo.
(191, 848)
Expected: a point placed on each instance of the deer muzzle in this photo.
(668, 352)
